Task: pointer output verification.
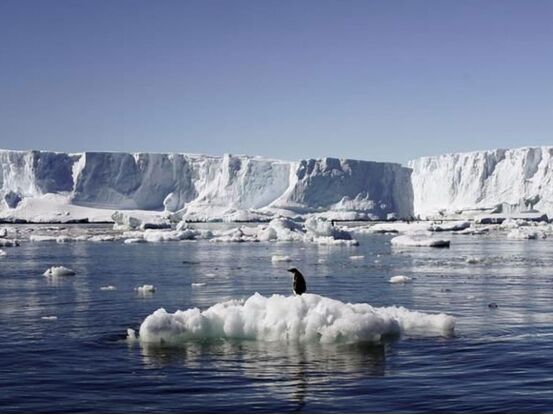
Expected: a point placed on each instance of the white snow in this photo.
(306, 318)
(59, 271)
(400, 279)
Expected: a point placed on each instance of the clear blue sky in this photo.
(377, 80)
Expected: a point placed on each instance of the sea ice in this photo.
(304, 318)
(146, 288)
(60, 271)
(281, 258)
(400, 279)
(407, 240)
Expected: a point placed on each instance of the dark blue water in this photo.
(501, 359)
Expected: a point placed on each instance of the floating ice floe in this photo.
(281, 258)
(448, 226)
(145, 289)
(197, 284)
(108, 288)
(49, 318)
(357, 257)
(2, 253)
(522, 233)
(130, 221)
(60, 271)
(400, 279)
(134, 240)
(409, 240)
(305, 318)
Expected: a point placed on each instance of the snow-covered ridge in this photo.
(501, 180)
(198, 187)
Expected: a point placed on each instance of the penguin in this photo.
(299, 285)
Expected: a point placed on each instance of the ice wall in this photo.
(204, 187)
(516, 179)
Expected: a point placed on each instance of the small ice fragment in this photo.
(131, 335)
(146, 288)
(198, 284)
(210, 274)
(134, 240)
(108, 288)
(281, 258)
(49, 318)
(2, 253)
(356, 257)
(400, 279)
(474, 260)
(60, 271)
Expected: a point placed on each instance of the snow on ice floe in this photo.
(400, 279)
(305, 318)
(59, 271)
(419, 240)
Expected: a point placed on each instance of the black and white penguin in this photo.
(299, 285)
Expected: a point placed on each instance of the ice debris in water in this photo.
(474, 260)
(2, 252)
(356, 257)
(407, 240)
(108, 288)
(49, 318)
(60, 271)
(281, 258)
(146, 288)
(520, 233)
(131, 335)
(400, 279)
(197, 284)
(305, 318)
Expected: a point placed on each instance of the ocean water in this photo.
(500, 359)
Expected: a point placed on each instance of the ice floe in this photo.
(305, 318)
(419, 240)
(58, 271)
(400, 279)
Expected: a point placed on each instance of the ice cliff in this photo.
(497, 180)
(41, 185)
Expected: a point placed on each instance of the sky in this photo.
(375, 80)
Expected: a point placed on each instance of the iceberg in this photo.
(484, 182)
(42, 186)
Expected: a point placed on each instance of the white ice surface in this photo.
(304, 318)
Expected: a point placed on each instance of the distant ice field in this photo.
(65, 345)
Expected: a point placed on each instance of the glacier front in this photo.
(42, 186)
(496, 181)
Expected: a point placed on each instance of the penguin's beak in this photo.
(290, 270)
